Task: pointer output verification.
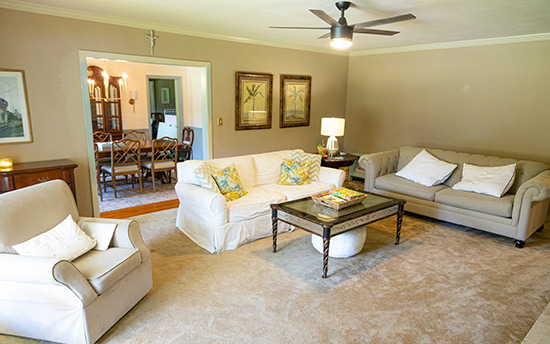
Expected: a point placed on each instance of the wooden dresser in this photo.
(30, 173)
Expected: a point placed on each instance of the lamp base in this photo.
(332, 146)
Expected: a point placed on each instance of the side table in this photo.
(341, 162)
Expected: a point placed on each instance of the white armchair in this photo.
(58, 300)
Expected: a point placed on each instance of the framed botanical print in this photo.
(295, 100)
(253, 100)
(15, 123)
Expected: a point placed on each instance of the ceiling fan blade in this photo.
(376, 32)
(326, 35)
(403, 17)
(299, 27)
(324, 16)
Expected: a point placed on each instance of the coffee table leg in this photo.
(274, 228)
(399, 220)
(326, 242)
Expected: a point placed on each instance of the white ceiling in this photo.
(437, 21)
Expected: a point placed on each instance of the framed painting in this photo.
(253, 100)
(165, 95)
(15, 123)
(295, 100)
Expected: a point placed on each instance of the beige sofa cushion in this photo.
(393, 183)
(483, 203)
(105, 268)
(525, 169)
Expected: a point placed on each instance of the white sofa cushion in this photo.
(293, 192)
(426, 169)
(64, 241)
(245, 168)
(255, 203)
(105, 268)
(268, 166)
(489, 180)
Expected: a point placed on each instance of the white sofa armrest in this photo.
(332, 175)
(378, 164)
(127, 234)
(206, 205)
(38, 270)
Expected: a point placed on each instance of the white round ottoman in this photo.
(343, 245)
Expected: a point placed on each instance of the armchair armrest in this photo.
(206, 205)
(332, 175)
(378, 164)
(127, 234)
(38, 270)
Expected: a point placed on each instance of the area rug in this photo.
(132, 198)
(442, 284)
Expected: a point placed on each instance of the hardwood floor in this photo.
(140, 210)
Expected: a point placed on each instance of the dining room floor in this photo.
(131, 198)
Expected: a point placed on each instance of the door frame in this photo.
(206, 115)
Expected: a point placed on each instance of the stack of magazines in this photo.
(346, 194)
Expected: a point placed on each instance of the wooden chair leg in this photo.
(140, 182)
(113, 178)
(154, 183)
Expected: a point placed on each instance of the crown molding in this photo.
(456, 44)
(105, 19)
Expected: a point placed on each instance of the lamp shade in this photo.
(331, 126)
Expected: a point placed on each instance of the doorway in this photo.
(189, 106)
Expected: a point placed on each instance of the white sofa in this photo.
(517, 214)
(57, 300)
(217, 225)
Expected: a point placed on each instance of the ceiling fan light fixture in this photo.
(341, 37)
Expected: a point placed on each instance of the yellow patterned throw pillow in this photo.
(229, 183)
(294, 172)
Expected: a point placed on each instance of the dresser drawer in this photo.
(27, 179)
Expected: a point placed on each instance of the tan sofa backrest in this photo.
(33, 210)
(525, 169)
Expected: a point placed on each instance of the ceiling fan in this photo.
(341, 33)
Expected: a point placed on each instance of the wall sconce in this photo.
(132, 100)
(6, 165)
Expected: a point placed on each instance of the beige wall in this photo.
(492, 99)
(46, 47)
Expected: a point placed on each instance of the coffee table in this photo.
(326, 222)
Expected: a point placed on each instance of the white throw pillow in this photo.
(426, 169)
(102, 232)
(493, 181)
(64, 241)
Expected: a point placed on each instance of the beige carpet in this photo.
(443, 284)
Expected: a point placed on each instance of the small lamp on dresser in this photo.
(332, 127)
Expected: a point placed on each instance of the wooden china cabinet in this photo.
(105, 103)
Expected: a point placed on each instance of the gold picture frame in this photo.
(295, 101)
(15, 119)
(253, 100)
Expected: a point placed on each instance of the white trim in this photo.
(105, 19)
(456, 44)
(83, 54)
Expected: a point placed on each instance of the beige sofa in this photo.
(517, 214)
(58, 300)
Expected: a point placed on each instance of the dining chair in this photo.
(164, 158)
(187, 137)
(125, 160)
(101, 136)
(135, 135)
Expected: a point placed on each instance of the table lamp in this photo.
(332, 127)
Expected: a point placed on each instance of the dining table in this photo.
(104, 148)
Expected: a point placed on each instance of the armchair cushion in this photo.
(100, 231)
(65, 241)
(105, 268)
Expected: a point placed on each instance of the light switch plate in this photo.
(220, 121)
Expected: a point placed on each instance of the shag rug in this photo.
(442, 284)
